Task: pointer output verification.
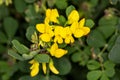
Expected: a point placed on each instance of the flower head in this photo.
(34, 68)
(78, 28)
(52, 67)
(57, 52)
(67, 35)
(46, 32)
(58, 31)
(51, 16)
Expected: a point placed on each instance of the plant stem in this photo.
(48, 71)
(100, 56)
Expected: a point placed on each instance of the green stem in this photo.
(100, 56)
(48, 71)
(105, 47)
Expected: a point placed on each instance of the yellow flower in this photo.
(34, 68)
(63, 33)
(44, 68)
(78, 29)
(52, 67)
(58, 38)
(73, 17)
(46, 31)
(51, 15)
(57, 52)
(67, 35)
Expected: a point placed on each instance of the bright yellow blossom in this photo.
(34, 68)
(67, 35)
(52, 67)
(57, 52)
(44, 68)
(78, 28)
(51, 15)
(73, 16)
(46, 31)
(63, 33)
(58, 38)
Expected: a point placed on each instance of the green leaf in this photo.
(63, 65)
(111, 42)
(3, 11)
(15, 55)
(96, 39)
(107, 31)
(92, 65)
(69, 9)
(109, 68)
(53, 77)
(114, 54)
(71, 49)
(94, 75)
(30, 32)
(109, 65)
(61, 4)
(4, 67)
(20, 5)
(104, 77)
(22, 49)
(76, 57)
(30, 55)
(89, 23)
(110, 72)
(62, 20)
(10, 26)
(51, 3)
(118, 40)
(30, 1)
(3, 38)
(108, 21)
(42, 58)
(30, 13)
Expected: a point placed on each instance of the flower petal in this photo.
(34, 68)
(40, 28)
(78, 33)
(73, 27)
(44, 68)
(52, 67)
(81, 23)
(73, 16)
(86, 30)
(45, 37)
(60, 52)
(53, 49)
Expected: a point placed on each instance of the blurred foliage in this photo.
(94, 57)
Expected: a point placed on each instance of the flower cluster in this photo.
(51, 31)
